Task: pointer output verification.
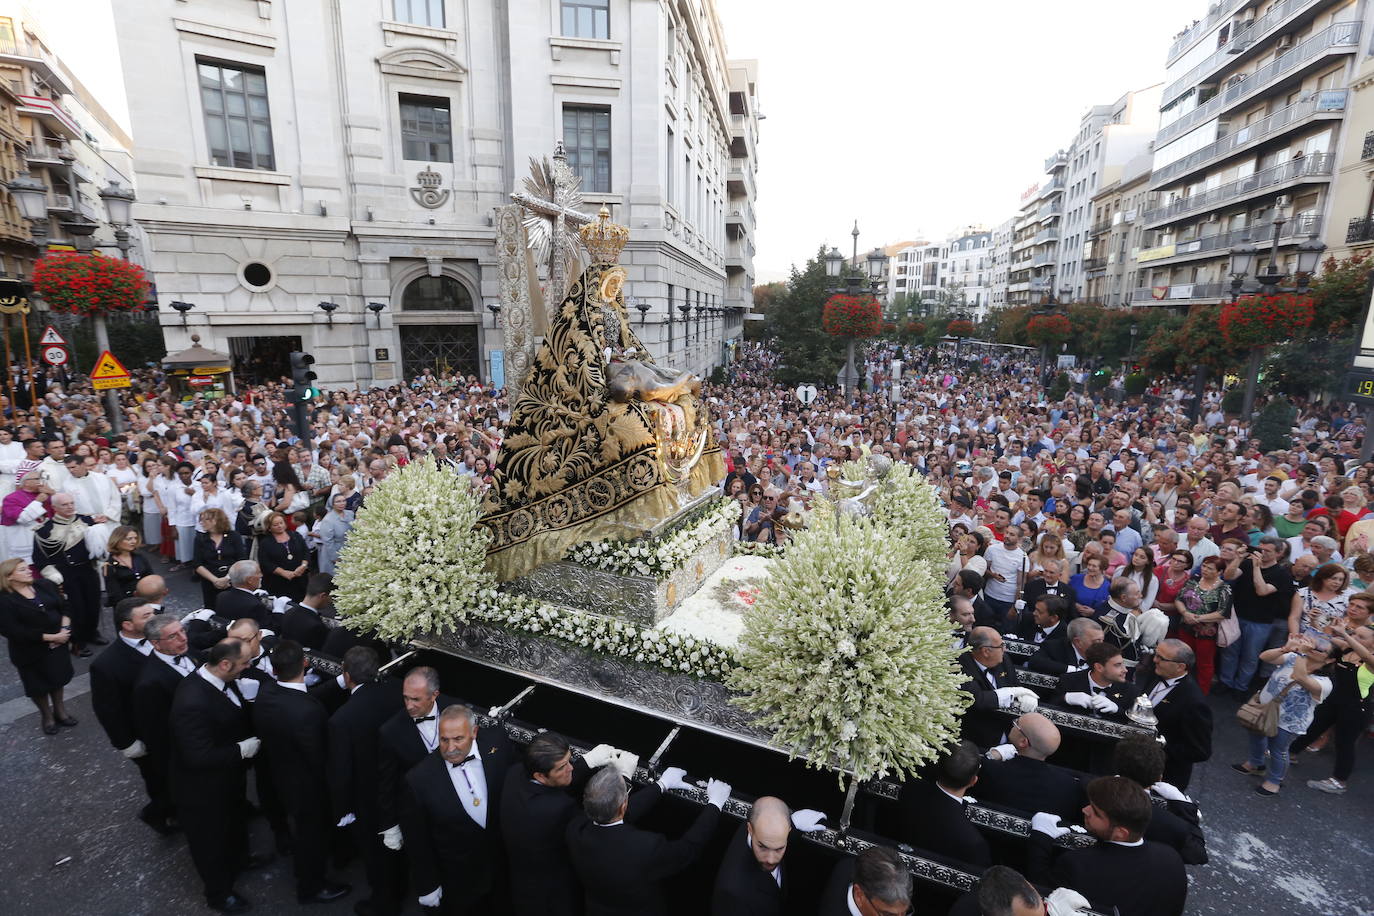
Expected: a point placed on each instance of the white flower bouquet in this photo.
(660, 557)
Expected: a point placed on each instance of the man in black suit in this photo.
(874, 882)
(753, 879)
(1046, 621)
(621, 866)
(1102, 689)
(153, 692)
(992, 684)
(1018, 776)
(293, 728)
(932, 809)
(1124, 870)
(451, 817)
(1176, 821)
(1185, 719)
(302, 621)
(352, 773)
(405, 739)
(1000, 891)
(212, 742)
(968, 584)
(1045, 584)
(238, 600)
(1062, 656)
(114, 672)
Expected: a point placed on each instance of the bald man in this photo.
(152, 589)
(1018, 776)
(752, 880)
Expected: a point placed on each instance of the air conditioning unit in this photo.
(1284, 43)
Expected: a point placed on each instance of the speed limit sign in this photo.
(55, 356)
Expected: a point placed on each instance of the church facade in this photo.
(323, 176)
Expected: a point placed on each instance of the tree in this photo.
(1274, 427)
(1317, 361)
(767, 295)
(808, 353)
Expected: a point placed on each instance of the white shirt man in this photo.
(1006, 563)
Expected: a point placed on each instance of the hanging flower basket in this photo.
(852, 316)
(915, 329)
(1043, 330)
(1258, 321)
(960, 327)
(89, 284)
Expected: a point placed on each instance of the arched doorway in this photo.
(448, 342)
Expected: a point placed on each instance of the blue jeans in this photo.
(1001, 609)
(1277, 747)
(1240, 659)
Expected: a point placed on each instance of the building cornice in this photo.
(237, 36)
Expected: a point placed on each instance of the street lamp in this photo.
(834, 263)
(182, 308)
(329, 308)
(377, 308)
(643, 310)
(877, 261)
(1135, 329)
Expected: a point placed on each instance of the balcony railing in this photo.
(1094, 263)
(1054, 208)
(1343, 35)
(1039, 284)
(1330, 100)
(1177, 291)
(1259, 234)
(1368, 152)
(1316, 165)
(1360, 230)
(1048, 235)
(1058, 160)
(47, 152)
(1242, 36)
(1042, 259)
(1099, 228)
(1219, 11)
(62, 203)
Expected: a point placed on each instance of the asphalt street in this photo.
(70, 843)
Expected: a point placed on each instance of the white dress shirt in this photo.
(219, 685)
(849, 899)
(429, 730)
(1161, 690)
(142, 646)
(470, 782)
(293, 685)
(181, 665)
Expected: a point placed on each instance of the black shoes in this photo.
(160, 824)
(253, 863)
(49, 728)
(230, 903)
(327, 894)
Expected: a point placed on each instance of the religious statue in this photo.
(602, 443)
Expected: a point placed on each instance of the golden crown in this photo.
(604, 239)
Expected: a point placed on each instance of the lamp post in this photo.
(377, 308)
(959, 316)
(1135, 329)
(877, 261)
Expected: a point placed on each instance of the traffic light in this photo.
(303, 391)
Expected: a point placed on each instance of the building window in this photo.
(419, 12)
(436, 294)
(586, 18)
(587, 138)
(237, 122)
(426, 135)
(668, 171)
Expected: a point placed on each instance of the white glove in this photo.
(969, 799)
(717, 793)
(391, 838)
(433, 897)
(1066, 902)
(625, 763)
(672, 779)
(345, 820)
(260, 592)
(1025, 700)
(138, 749)
(1166, 791)
(599, 756)
(1081, 700)
(1001, 752)
(1005, 696)
(808, 821)
(264, 632)
(203, 614)
(279, 604)
(249, 688)
(1048, 824)
(249, 747)
(1103, 705)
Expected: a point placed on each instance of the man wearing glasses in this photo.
(992, 684)
(759, 526)
(1185, 719)
(874, 883)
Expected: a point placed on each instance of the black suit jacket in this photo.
(1036, 588)
(933, 821)
(1178, 824)
(1185, 721)
(743, 888)
(352, 769)
(1026, 630)
(399, 749)
(1123, 695)
(304, 626)
(534, 823)
(835, 900)
(1031, 786)
(446, 847)
(208, 771)
(621, 867)
(234, 603)
(982, 723)
(153, 693)
(114, 672)
(1145, 880)
(1056, 656)
(293, 727)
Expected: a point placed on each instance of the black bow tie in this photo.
(463, 761)
(1044, 632)
(418, 719)
(141, 642)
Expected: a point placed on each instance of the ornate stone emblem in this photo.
(429, 195)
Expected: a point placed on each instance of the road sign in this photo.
(54, 355)
(109, 373)
(50, 336)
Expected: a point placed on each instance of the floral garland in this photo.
(607, 635)
(662, 556)
(1258, 321)
(89, 284)
(852, 316)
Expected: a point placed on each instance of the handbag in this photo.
(1228, 630)
(1260, 717)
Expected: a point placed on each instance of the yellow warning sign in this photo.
(109, 373)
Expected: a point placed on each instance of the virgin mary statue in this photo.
(601, 443)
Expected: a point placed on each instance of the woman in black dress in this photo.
(284, 558)
(34, 621)
(217, 548)
(125, 566)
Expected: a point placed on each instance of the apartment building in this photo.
(1000, 247)
(325, 179)
(1251, 117)
(1111, 267)
(969, 271)
(1025, 282)
(1350, 230)
(903, 269)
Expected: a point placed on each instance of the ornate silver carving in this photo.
(517, 318)
(1091, 726)
(988, 818)
(1036, 679)
(429, 194)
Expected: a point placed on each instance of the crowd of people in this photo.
(1136, 550)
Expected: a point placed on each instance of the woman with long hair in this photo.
(124, 566)
(1321, 603)
(38, 629)
(1140, 569)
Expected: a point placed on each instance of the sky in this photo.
(918, 117)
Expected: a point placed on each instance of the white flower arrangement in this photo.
(846, 655)
(660, 557)
(910, 508)
(414, 559)
(758, 549)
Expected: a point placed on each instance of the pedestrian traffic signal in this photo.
(302, 377)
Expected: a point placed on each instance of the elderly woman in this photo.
(217, 548)
(331, 532)
(284, 558)
(34, 621)
(1353, 508)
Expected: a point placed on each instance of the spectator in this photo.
(1262, 591)
(1298, 685)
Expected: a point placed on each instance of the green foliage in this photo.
(717, 376)
(1274, 426)
(1318, 361)
(1059, 387)
(1233, 400)
(1098, 381)
(1135, 384)
(808, 354)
